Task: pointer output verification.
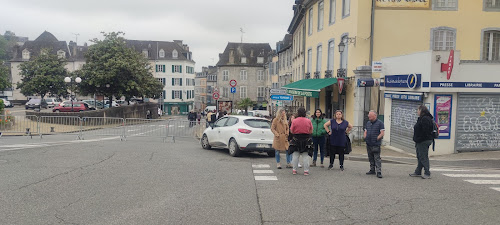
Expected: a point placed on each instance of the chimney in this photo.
(72, 48)
(85, 44)
(179, 42)
(231, 56)
(251, 53)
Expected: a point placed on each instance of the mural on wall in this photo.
(442, 115)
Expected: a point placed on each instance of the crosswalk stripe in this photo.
(266, 178)
(263, 171)
(484, 181)
(496, 188)
(448, 170)
(259, 166)
(474, 175)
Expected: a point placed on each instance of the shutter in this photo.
(173, 94)
(477, 122)
(403, 118)
(172, 68)
(173, 81)
(156, 68)
(163, 66)
(164, 94)
(180, 68)
(180, 81)
(164, 81)
(180, 94)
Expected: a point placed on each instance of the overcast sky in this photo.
(205, 25)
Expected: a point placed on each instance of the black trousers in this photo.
(337, 150)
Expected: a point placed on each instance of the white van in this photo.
(210, 108)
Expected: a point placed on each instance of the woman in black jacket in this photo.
(422, 136)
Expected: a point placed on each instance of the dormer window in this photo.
(243, 59)
(43, 52)
(145, 53)
(175, 54)
(260, 59)
(162, 53)
(61, 54)
(26, 54)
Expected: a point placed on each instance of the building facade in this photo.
(211, 84)
(200, 90)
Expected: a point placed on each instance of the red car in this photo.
(66, 107)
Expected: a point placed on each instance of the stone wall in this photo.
(128, 111)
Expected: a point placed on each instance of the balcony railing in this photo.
(328, 73)
(308, 75)
(341, 72)
(317, 74)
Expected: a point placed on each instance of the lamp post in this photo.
(70, 81)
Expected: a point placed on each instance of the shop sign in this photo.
(463, 85)
(403, 4)
(442, 115)
(369, 82)
(313, 94)
(376, 66)
(282, 97)
(401, 96)
(411, 81)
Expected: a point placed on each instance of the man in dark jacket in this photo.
(422, 136)
(374, 132)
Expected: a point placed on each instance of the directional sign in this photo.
(216, 95)
(278, 91)
(233, 90)
(232, 83)
(282, 97)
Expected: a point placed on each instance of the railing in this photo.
(19, 125)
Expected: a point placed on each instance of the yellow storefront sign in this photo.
(404, 4)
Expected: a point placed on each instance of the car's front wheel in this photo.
(57, 110)
(234, 149)
(204, 142)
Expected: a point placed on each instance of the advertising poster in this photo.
(225, 106)
(442, 115)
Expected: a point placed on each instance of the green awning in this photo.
(309, 87)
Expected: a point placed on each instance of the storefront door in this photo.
(403, 118)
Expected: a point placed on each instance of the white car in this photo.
(52, 102)
(6, 103)
(239, 134)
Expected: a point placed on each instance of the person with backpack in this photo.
(423, 138)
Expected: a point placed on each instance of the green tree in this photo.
(3, 48)
(245, 103)
(109, 62)
(4, 76)
(43, 75)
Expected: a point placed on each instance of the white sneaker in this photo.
(300, 166)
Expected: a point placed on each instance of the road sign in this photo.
(216, 95)
(216, 90)
(282, 97)
(232, 83)
(341, 84)
(278, 91)
(233, 90)
(376, 66)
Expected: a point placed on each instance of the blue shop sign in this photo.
(407, 97)
(282, 97)
(411, 81)
(462, 84)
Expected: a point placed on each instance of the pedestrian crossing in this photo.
(492, 180)
(262, 172)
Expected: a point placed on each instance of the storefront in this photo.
(317, 93)
(177, 108)
(465, 102)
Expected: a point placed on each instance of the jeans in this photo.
(340, 151)
(319, 141)
(278, 158)
(374, 157)
(305, 160)
(423, 157)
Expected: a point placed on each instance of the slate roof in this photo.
(285, 44)
(244, 50)
(45, 40)
(154, 47)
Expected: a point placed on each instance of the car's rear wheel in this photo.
(234, 149)
(271, 153)
(204, 142)
(57, 110)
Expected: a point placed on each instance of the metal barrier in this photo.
(185, 128)
(145, 128)
(18, 125)
(103, 126)
(356, 135)
(71, 125)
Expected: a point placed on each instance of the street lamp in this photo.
(341, 47)
(70, 81)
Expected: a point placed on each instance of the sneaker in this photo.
(279, 166)
(322, 166)
(306, 173)
(330, 167)
(379, 175)
(415, 175)
(370, 172)
(425, 176)
(313, 164)
(342, 168)
(300, 166)
(294, 172)
(288, 165)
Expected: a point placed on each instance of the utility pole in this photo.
(242, 32)
(76, 37)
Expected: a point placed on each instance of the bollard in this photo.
(52, 129)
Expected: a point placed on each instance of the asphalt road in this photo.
(145, 181)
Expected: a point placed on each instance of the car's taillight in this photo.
(245, 131)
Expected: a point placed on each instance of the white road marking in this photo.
(258, 166)
(263, 171)
(496, 188)
(266, 178)
(448, 170)
(474, 175)
(483, 181)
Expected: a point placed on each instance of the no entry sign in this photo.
(216, 95)
(232, 83)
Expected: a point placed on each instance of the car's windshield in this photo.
(256, 123)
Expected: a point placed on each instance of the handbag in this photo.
(348, 147)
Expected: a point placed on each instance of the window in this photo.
(310, 21)
(176, 94)
(145, 53)
(160, 68)
(445, 5)
(162, 53)
(260, 74)
(162, 80)
(221, 122)
(321, 15)
(309, 60)
(61, 54)
(319, 52)
(189, 70)
(331, 48)
(243, 59)
(243, 91)
(26, 54)
(344, 54)
(176, 69)
(491, 5)
(175, 54)
(260, 91)
(333, 9)
(225, 75)
(176, 81)
(225, 92)
(243, 75)
(346, 8)
(231, 121)
(443, 39)
(491, 45)
(260, 59)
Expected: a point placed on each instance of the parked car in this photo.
(7, 103)
(239, 134)
(36, 103)
(53, 102)
(113, 104)
(76, 107)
